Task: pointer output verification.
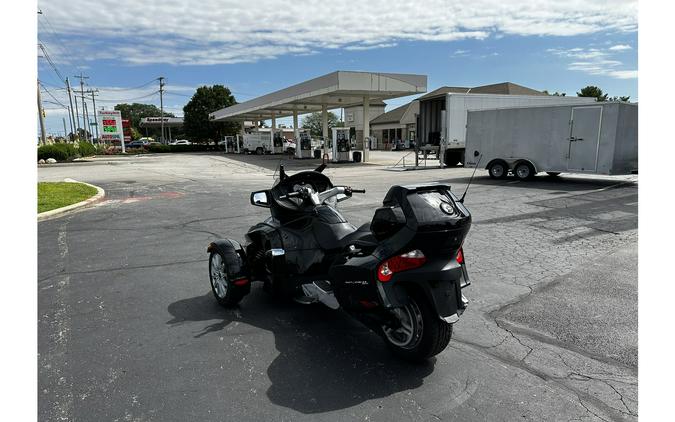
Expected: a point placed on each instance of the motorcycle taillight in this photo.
(396, 264)
(460, 256)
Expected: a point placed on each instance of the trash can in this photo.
(317, 153)
(357, 156)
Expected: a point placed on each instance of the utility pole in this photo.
(70, 110)
(87, 130)
(161, 104)
(41, 114)
(93, 99)
(82, 78)
(65, 130)
(73, 125)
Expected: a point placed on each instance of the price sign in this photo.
(111, 122)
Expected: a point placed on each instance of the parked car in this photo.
(137, 144)
(180, 142)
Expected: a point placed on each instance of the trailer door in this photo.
(584, 138)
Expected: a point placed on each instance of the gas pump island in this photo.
(277, 142)
(339, 89)
(303, 145)
(341, 145)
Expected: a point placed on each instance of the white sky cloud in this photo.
(620, 47)
(229, 31)
(595, 61)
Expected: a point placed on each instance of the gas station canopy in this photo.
(334, 90)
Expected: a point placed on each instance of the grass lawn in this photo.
(52, 195)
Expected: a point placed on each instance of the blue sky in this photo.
(540, 44)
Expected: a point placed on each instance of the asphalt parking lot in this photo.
(128, 329)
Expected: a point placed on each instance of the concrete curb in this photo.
(47, 215)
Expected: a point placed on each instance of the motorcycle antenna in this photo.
(320, 168)
(475, 154)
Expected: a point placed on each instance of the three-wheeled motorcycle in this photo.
(401, 275)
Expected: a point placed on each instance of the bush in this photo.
(159, 148)
(85, 149)
(59, 152)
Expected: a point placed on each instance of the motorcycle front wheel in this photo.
(421, 334)
(225, 293)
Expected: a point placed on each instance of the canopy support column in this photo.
(366, 127)
(324, 119)
(296, 134)
(273, 132)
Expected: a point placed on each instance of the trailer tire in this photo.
(523, 171)
(259, 151)
(498, 170)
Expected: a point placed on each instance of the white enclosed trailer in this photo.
(599, 138)
(442, 121)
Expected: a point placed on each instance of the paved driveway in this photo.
(128, 329)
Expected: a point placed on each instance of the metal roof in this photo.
(503, 88)
(335, 90)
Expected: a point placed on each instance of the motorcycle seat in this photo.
(362, 235)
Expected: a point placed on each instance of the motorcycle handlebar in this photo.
(358, 191)
(290, 195)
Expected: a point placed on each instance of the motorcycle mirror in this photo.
(260, 198)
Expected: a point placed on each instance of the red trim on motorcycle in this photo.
(240, 282)
(460, 256)
(403, 262)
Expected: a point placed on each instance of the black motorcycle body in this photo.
(402, 274)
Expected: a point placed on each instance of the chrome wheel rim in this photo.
(409, 334)
(497, 170)
(219, 280)
(523, 171)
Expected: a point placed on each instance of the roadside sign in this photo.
(111, 122)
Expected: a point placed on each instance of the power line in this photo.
(128, 99)
(51, 63)
(51, 95)
(67, 53)
(132, 88)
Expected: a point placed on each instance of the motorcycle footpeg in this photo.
(321, 291)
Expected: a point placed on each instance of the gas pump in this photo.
(229, 144)
(303, 145)
(277, 142)
(341, 144)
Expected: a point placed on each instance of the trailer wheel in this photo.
(524, 171)
(259, 151)
(498, 170)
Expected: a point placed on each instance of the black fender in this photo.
(236, 263)
(439, 282)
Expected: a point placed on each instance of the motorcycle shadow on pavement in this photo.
(327, 361)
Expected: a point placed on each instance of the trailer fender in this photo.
(498, 160)
(525, 160)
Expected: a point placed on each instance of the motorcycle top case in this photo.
(427, 217)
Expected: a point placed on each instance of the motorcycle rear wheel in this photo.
(422, 333)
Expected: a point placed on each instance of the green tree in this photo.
(620, 98)
(592, 91)
(314, 122)
(196, 123)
